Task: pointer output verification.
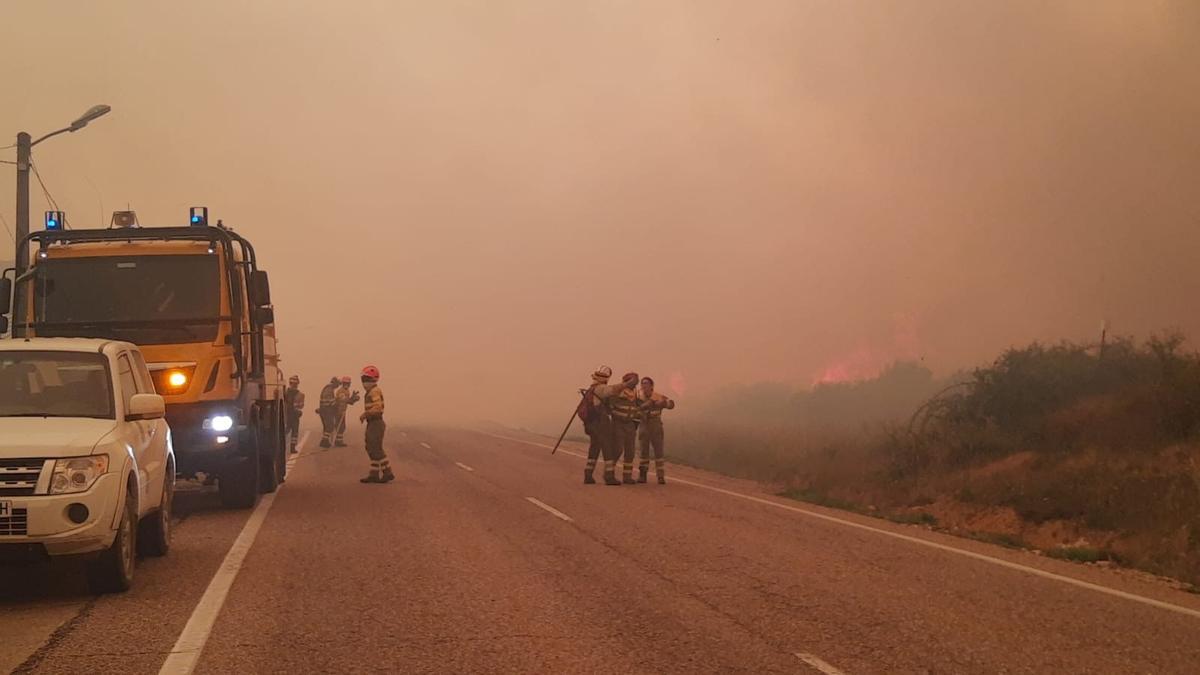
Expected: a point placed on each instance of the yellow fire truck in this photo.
(196, 303)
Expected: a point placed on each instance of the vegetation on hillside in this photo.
(1067, 446)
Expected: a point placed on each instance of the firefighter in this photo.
(372, 414)
(293, 404)
(621, 401)
(597, 424)
(650, 405)
(327, 409)
(343, 399)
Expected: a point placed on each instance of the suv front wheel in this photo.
(112, 572)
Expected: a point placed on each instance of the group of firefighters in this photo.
(616, 418)
(336, 399)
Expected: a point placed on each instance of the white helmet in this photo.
(602, 373)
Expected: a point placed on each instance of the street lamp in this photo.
(24, 150)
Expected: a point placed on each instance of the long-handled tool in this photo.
(582, 393)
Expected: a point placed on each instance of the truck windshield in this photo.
(55, 384)
(154, 299)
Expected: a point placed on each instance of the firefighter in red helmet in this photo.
(381, 469)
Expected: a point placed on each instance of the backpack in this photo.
(588, 409)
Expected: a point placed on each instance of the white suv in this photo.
(86, 465)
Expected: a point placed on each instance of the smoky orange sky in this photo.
(488, 199)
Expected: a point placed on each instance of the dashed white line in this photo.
(464, 467)
(426, 445)
(1124, 595)
(553, 511)
(820, 664)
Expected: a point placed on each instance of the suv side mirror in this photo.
(260, 289)
(145, 407)
(6, 288)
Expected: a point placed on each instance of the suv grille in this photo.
(16, 523)
(19, 477)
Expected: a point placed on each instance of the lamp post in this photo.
(24, 153)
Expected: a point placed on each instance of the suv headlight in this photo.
(77, 474)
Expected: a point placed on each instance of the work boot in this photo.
(388, 476)
(339, 444)
(293, 448)
(324, 442)
(662, 480)
(642, 474)
(610, 478)
(628, 479)
(588, 478)
(372, 477)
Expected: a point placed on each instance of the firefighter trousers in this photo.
(625, 444)
(651, 438)
(340, 431)
(374, 442)
(329, 422)
(600, 444)
(292, 425)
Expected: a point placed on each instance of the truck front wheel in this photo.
(238, 483)
(270, 475)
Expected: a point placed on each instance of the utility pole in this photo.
(24, 147)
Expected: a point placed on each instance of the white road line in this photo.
(1124, 595)
(464, 467)
(426, 445)
(819, 663)
(185, 654)
(553, 511)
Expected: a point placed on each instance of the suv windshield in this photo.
(55, 384)
(153, 299)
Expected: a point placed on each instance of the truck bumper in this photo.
(200, 449)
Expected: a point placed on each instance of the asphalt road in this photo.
(489, 555)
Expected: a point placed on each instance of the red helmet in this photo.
(346, 379)
(371, 372)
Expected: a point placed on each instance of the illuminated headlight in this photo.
(219, 423)
(77, 474)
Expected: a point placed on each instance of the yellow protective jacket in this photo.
(620, 400)
(373, 403)
(651, 407)
(343, 399)
(328, 396)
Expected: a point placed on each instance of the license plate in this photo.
(5, 509)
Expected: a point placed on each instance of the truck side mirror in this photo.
(260, 289)
(3, 324)
(264, 316)
(6, 288)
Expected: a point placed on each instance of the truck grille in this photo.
(16, 523)
(19, 477)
